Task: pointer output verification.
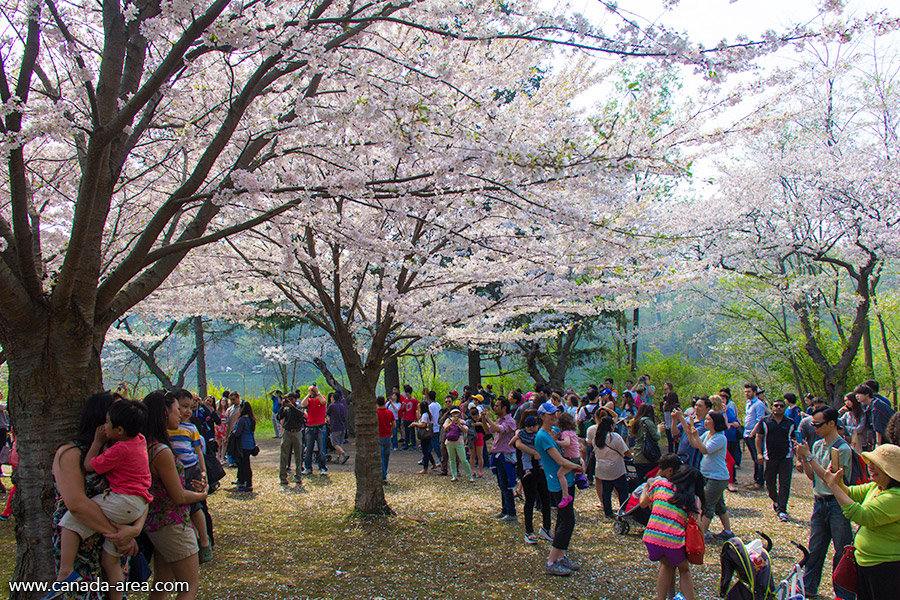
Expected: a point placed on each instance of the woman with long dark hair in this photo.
(610, 452)
(175, 548)
(673, 501)
(644, 427)
(244, 431)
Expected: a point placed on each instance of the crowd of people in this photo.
(134, 479)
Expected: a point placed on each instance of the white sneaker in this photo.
(530, 538)
(545, 535)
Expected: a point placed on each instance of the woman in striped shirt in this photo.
(672, 501)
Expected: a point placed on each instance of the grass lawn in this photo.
(302, 543)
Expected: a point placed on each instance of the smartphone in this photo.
(835, 460)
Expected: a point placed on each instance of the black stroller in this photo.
(753, 567)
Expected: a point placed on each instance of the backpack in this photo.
(588, 418)
(859, 472)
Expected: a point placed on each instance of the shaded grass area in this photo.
(304, 543)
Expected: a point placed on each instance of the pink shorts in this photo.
(676, 556)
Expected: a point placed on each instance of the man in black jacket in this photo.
(292, 419)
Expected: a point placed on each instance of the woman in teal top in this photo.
(875, 507)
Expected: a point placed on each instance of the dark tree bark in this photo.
(200, 345)
(555, 360)
(474, 360)
(391, 374)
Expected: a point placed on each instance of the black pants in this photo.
(778, 481)
(409, 434)
(565, 520)
(534, 485)
(644, 468)
(670, 441)
(734, 449)
(621, 487)
(879, 582)
(427, 456)
(759, 477)
(245, 473)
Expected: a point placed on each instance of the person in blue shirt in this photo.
(276, 406)
(558, 563)
(754, 413)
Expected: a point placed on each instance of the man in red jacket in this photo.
(385, 429)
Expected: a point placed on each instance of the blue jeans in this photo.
(385, 455)
(507, 500)
(827, 524)
(394, 436)
(436, 446)
(314, 434)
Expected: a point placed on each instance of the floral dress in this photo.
(87, 561)
(163, 510)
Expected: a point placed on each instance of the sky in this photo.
(708, 21)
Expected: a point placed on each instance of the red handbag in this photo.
(693, 542)
(845, 574)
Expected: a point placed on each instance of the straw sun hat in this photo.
(887, 458)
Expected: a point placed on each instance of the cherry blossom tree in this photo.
(137, 131)
(808, 208)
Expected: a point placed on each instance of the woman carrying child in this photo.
(75, 488)
(673, 501)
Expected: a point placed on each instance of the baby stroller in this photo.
(631, 512)
(753, 567)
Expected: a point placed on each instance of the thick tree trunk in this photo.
(391, 375)
(200, 345)
(53, 369)
(367, 463)
(474, 368)
(868, 358)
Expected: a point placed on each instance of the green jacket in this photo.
(877, 512)
(646, 427)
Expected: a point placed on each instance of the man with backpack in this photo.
(828, 523)
(878, 412)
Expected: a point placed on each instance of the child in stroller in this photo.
(631, 512)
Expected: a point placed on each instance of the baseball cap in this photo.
(606, 392)
(479, 397)
(530, 421)
(547, 408)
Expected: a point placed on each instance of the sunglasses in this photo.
(778, 406)
(817, 425)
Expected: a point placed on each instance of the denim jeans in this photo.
(827, 524)
(436, 446)
(507, 499)
(395, 436)
(385, 455)
(315, 434)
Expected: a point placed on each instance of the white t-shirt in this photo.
(434, 410)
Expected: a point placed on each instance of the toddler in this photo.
(127, 469)
(571, 449)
